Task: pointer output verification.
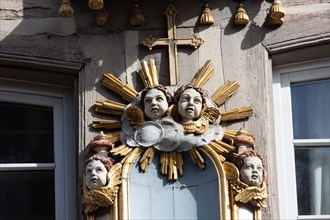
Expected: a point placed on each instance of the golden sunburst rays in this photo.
(197, 158)
(225, 92)
(147, 158)
(109, 107)
(124, 90)
(222, 94)
(204, 74)
(236, 114)
(122, 150)
(148, 73)
(106, 124)
(171, 163)
(219, 97)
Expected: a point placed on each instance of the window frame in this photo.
(64, 166)
(283, 76)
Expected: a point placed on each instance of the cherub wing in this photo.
(211, 113)
(253, 194)
(231, 171)
(134, 116)
(114, 176)
(232, 174)
(95, 198)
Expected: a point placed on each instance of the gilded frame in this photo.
(122, 206)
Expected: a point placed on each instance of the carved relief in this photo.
(102, 176)
(177, 119)
(171, 120)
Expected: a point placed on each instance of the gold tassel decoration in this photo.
(206, 17)
(241, 18)
(276, 13)
(137, 17)
(101, 17)
(96, 4)
(66, 9)
(277, 10)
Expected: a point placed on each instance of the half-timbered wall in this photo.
(32, 32)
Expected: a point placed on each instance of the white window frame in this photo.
(60, 99)
(285, 143)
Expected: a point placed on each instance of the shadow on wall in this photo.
(35, 29)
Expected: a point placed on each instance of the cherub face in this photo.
(96, 175)
(190, 105)
(252, 171)
(155, 104)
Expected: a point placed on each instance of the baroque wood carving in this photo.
(171, 120)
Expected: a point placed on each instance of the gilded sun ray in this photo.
(171, 163)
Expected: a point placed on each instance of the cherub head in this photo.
(155, 100)
(190, 100)
(97, 168)
(251, 167)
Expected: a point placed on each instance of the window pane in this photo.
(26, 133)
(311, 109)
(27, 195)
(313, 179)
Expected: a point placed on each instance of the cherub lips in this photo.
(94, 179)
(189, 109)
(254, 176)
(154, 109)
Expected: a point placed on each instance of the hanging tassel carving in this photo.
(96, 4)
(241, 18)
(276, 13)
(101, 17)
(137, 17)
(66, 9)
(206, 17)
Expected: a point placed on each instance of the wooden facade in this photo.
(36, 44)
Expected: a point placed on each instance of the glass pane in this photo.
(311, 109)
(313, 179)
(26, 133)
(27, 195)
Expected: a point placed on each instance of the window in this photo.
(37, 163)
(302, 127)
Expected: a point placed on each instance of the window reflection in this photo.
(26, 133)
(313, 179)
(310, 109)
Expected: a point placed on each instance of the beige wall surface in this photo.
(33, 29)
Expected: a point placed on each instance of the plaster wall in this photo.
(33, 28)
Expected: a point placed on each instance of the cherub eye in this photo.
(197, 100)
(160, 98)
(248, 166)
(89, 171)
(147, 100)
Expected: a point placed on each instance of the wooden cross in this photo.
(172, 42)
